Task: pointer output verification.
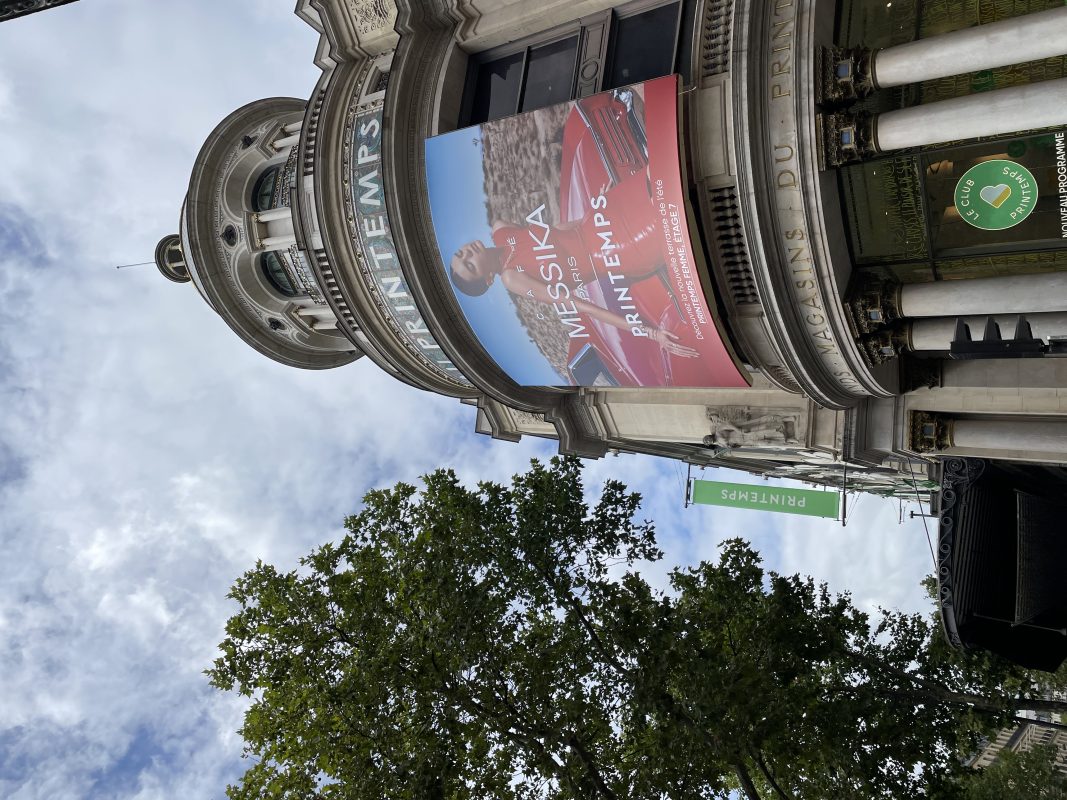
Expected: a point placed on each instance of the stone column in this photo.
(274, 214)
(1029, 435)
(932, 432)
(288, 141)
(1008, 294)
(936, 333)
(996, 44)
(1014, 375)
(278, 242)
(996, 113)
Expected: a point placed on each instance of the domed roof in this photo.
(226, 248)
(170, 260)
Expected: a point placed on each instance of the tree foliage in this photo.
(500, 643)
(1028, 775)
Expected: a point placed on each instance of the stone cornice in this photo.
(799, 275)
(328, 169)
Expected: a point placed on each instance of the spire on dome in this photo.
(170, 260)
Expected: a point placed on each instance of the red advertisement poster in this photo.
(564, 235)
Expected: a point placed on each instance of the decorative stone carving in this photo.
(880, 347)
(957, 475)
(847, 138)
(527, 417)
(873, 306)
(930, 433)
(742, 426)
(844, 75)
(372, 15)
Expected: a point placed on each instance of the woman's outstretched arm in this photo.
(527, 286)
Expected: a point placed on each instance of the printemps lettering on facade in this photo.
(804, 240)
(376, 242)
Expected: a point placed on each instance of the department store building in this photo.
(875, 217)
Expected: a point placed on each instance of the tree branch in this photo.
(757, 756)
(747, 785)
(590, 766)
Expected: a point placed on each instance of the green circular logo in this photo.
(995, 195)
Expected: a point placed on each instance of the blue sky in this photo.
(148, 456)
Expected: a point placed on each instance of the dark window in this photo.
(643, 46)
(276, 275)
(263, 191)
(549, 74)
(496, 93)
(641, 43)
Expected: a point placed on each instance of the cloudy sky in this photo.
(148, 457)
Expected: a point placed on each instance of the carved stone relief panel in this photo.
(527, 421)
(371, 16)
(745, 426)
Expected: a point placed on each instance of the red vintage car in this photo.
(604, 143)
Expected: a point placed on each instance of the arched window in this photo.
(276, 275)
(263, 191)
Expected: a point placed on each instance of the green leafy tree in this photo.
(1019, 776)
(499, 643)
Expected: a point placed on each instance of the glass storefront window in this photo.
(884, 204)
(998, 197)
(994, 208)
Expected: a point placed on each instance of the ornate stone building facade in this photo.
(9, 9)
(876, 192)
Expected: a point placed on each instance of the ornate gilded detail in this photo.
(845, 75)
(743, 426)
(873, 306)
(847, 137)
(881, 346)
(930, 432)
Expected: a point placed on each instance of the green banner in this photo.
(767, 498)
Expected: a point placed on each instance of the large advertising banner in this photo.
(564, 235)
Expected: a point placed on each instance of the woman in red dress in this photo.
(617, 243)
